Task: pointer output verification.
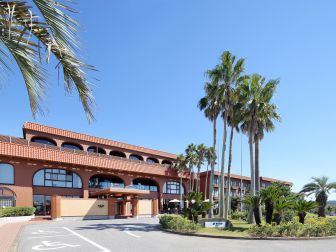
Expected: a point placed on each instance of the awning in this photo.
(116, 191)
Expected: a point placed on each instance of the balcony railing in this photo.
(16, 140)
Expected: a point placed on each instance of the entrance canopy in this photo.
(117, 191)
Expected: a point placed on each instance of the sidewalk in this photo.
(8, 233)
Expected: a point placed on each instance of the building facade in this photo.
(240, 185)
(49, 161)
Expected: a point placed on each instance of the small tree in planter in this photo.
(302, 207)
(196, 206)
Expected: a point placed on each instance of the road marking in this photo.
(49, 236)
(87, 240)
(47, 245)
(45, 232)
(131, 234)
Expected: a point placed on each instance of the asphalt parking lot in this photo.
(141, 235)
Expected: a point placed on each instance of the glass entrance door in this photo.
(42, 204)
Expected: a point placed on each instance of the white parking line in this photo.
(87, 240)
(131, 234)
(49, 236)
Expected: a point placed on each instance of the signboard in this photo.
(215, 224)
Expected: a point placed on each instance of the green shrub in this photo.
(17, 211)
(178, 223)
(239, 216)
(288, 215)
(314, 227)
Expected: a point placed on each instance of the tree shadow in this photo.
(122, 227)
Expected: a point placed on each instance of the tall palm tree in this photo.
(321, 188)
(226, 74)
(210, 104)
(181, 167)
(234, 119)
(200, 158)
(258, 114)
(210, 157)
(191, 159)
(33, 30)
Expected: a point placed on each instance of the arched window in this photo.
(6, 174)
(135, 157)
(96, 149)
(43, 140)
(72, 146)
(57, 178)
(152, 160)
(7, 197)
(145, 184)
(118, 154)
(172, 187)
(167, 162)
(105, 181)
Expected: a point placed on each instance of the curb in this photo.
(250, 238)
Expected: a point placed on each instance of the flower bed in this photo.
(314, 227)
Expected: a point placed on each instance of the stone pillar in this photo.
(55, 210)
(112, 205)
(135, 206)
(155, 207)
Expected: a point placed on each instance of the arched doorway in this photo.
(7, 197)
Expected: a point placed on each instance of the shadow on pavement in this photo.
(122, 226)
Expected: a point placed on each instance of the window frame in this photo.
(13, 174)
(54, 177)
(167, 190)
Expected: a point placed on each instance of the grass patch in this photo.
(239, 229)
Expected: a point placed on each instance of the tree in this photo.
(196, 205)
(210, 104)
(226, 75)
(269, 195)
(181, 166)
(254, 202)
(200, 158)
(210, 157)
(28, 40)
(302, 207)
(257, 116)
(280, 205)
(191, 161)
(321, 188)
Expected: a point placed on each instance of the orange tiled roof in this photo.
(93, 139)
(77, 159)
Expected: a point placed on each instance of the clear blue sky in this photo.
(152, 56)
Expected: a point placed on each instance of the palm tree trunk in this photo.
(222, 177)
(206, 183)
(198, 179)
(256, 167)
(228, 198)
(181, 196)
(211, 185)
(252, 186)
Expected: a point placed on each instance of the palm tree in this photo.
(28, 40)
(254, 202)
(200, 158)
(191, 159)
(210, 157)
(321, 188)
(181, 166)
(280, 205)
(258, 114)
(210, 104)
(302, 207)
(226, 74)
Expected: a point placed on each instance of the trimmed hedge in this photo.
(178, 223)
(317, 227)
(17, 211)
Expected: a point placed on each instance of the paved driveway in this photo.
(142, 235)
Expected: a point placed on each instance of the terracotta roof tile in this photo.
(83, 137)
